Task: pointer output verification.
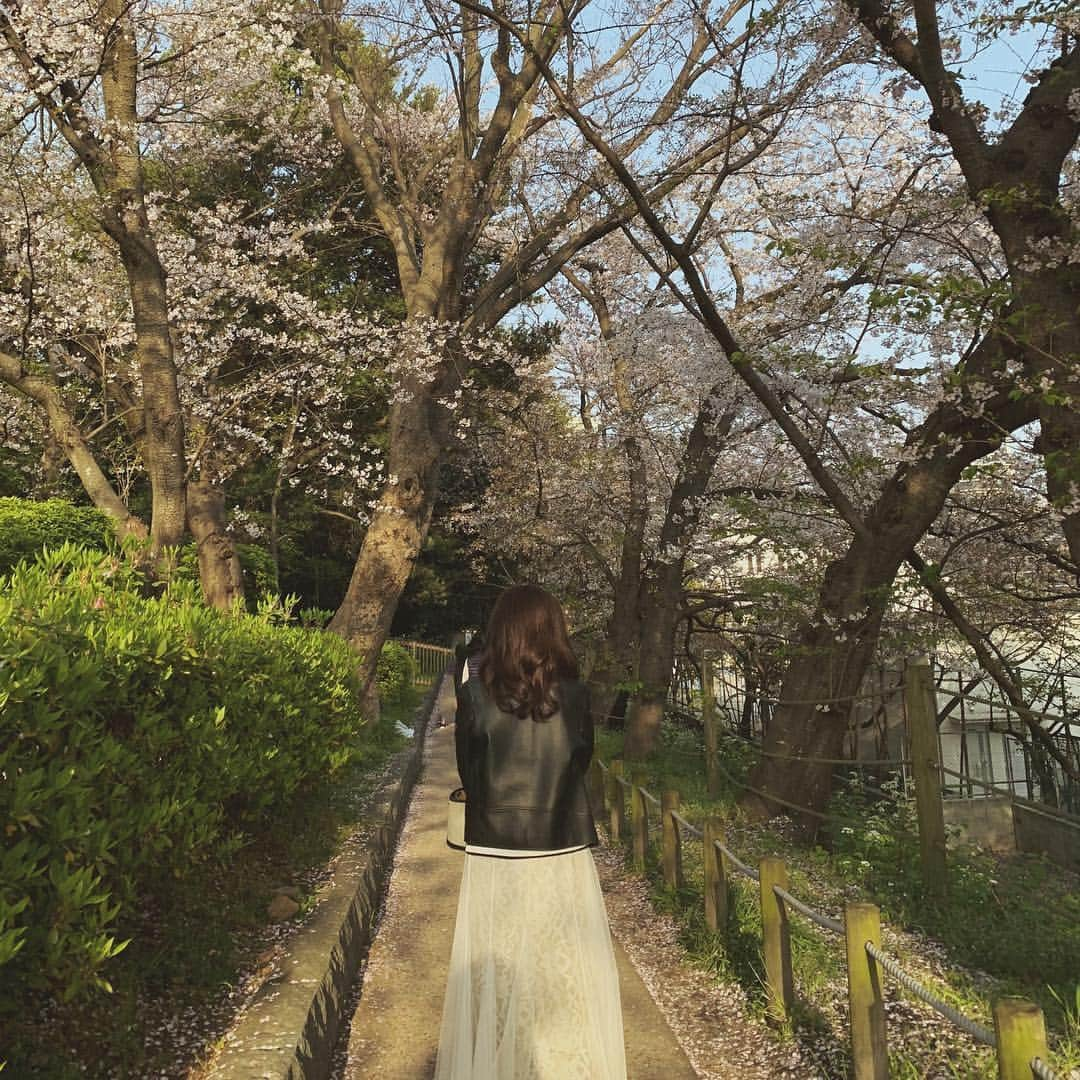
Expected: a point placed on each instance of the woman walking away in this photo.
(533, 992)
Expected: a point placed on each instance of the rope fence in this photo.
(736, 862)
(768, 796)
(1042, 1070)
(693, 830)
(833, 926)
(979, 1033)
(1054, 719)
(1030, 805)
(920, 771)
(809, 759)
(747, 701)
(1019, 1038)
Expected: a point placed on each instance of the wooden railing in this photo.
(1019, 1035)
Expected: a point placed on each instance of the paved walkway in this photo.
(395, 1030)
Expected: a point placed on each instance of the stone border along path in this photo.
(394, 1031)
(291, 1026)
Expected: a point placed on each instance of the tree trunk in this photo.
(834, 650)
(220, 574)
(614, 666)
(619, 650)
(662, 601)
(661, 610)
(164, 423)
(832, 657)
(618, 655)
(746, 715)
(397, 529)
(1043, 768)
(118, 176)
(284, 462)
(1059, 440)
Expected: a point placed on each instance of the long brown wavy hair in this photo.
(526, 651)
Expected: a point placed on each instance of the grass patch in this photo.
(195, 956)
(1015, 920)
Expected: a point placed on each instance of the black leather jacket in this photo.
(524, 780)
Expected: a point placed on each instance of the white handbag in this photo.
(455, 819)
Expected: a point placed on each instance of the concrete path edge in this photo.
(290, 1028)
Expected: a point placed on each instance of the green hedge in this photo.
(140, 738)
(395, 673)
(27, 526)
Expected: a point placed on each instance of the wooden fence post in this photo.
(1021, 1036)
(596, 788)
(639, 825)
(708, 719)
(921, 702)
(716, 885)
(616, 800)
(866, 1001)
(673, 877)
(779, 980)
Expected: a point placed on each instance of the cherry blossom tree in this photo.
(72, 75)
(979, 401)
(485, 191)
(251, 361)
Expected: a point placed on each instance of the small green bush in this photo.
(139, 739)
(395, 673)
(27, 526)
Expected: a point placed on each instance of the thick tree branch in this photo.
(46, 395)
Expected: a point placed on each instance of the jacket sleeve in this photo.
(463, 722)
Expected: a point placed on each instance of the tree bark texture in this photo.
(220, 573)
(398, 527)
(163, 419)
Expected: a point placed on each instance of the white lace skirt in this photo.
(533, 991)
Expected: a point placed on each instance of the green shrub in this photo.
(395, 673)
(1013, 917)
(27, 526)
(140, 738)
(259, 573)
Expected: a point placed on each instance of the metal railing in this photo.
(430, 661)
(1019, 1040)
(923, 764)
(997, 729)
